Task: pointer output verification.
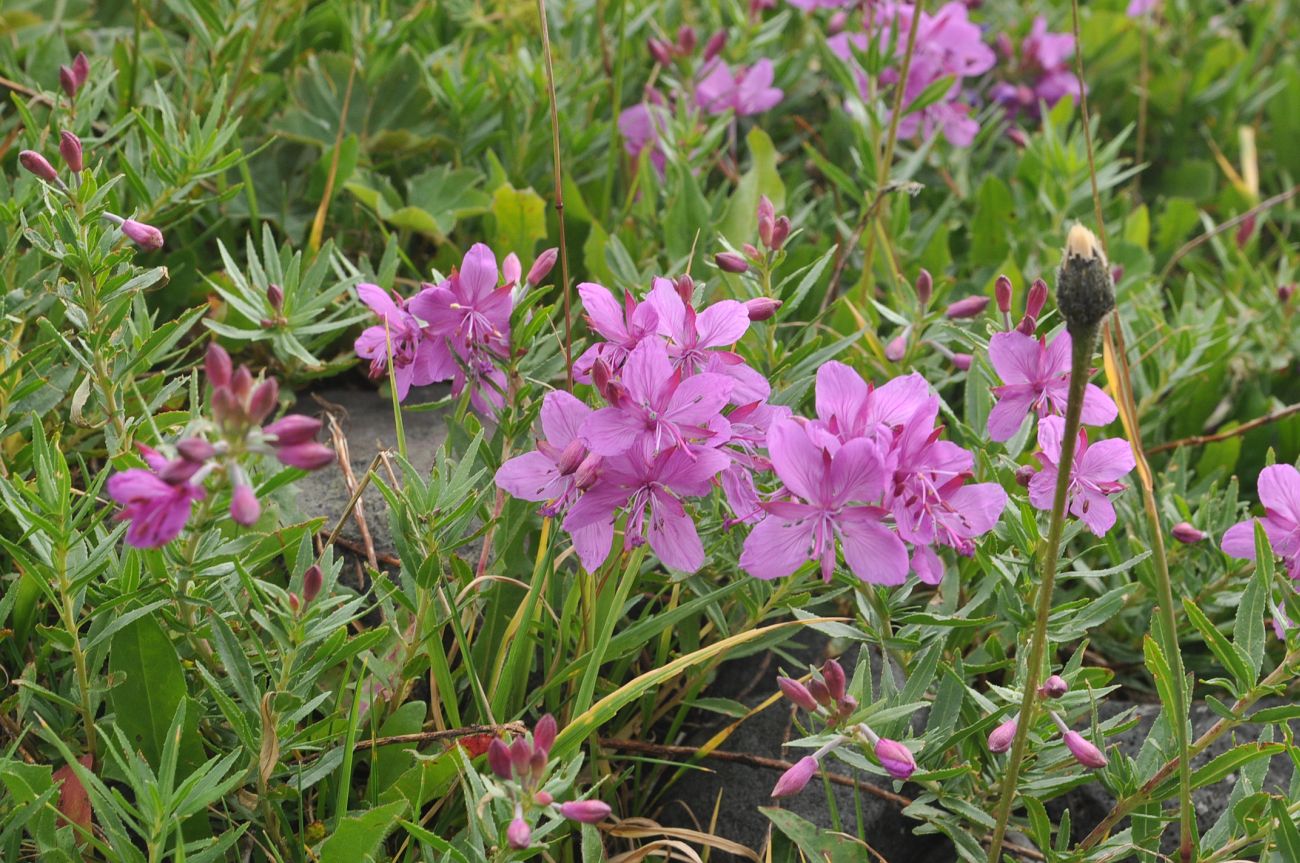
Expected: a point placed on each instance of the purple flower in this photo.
(623, 328)
(642, 126)
(796, 778)
(1093, 478)
(634, 482)
(1043, 74)
(826, 483)
(414, 362)
(895, 758)
(1279, 491)
(695, 339)
(656, 408)
(156, 507)
(1138, 8)
(848, 407)
(585, 811)
(548, 473)
(746, 91)
(1036, 378)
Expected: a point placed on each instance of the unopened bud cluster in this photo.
(1003, 736)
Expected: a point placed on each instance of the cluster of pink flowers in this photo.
(1083, 750)
(1041, 73)
(457, 330)
(948, 44)
(158, 500)
(826, 700)
(1279, 492)
(1036, 375)
(523, 766)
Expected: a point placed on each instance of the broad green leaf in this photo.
(740, 225)
(817, 844)
(520, 221)
(358, 837)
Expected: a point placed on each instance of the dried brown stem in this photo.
(1198, 440)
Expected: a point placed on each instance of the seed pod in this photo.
(1084, 292)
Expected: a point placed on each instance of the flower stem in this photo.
(559, 194)
(1084, 342)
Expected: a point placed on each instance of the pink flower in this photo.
(1138, 8)
(156, 507)
(657, 409)
(623, 328)
(519, 834)
(848, 407)
(1043, 75)
(1279, 491)
(695, 339)
(1036, 378)
(826, 483)
(796, 778)
(642, 126)
(1093, 478)
(244, 508)
(415, 362)
(634, 482)
(548, 473)
(747, 91)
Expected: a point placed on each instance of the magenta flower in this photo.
(1043, 73)
(1138, 8)
(1036, 378)
(156, 507)
(548, 473)
(848, 407)
(1279, 491)
(827, 484)
(749, 424)
(415, 362)
(746, 91)
(623, 328)
(1093, 478)
(642, 126)
(657, 409)
(633, 482)
(696, 340)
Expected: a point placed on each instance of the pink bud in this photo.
(895, 758)
(585, 811)
(544, 734)
(241, 383)
(571, 457)
(1001, 738)
(542, 267)
(780, 230)
(1185, 533)
(660, 51)
(751, 251)
(969, 307)
(847, 705)
(1004, 45)
(1024, 474)
(714, 46)
(145, 236)
(1245, 230)
(498, 757)
(295, 604)
(81, 68)
(511, 269)
(1084, 752)
(924, 287)
(519, 834)
(68, 81)
(543, 798)
(837, 23)
(263, 401)
(588, 472)
(196, 449)
(686, 39)
(1285, 293)
(819, 691)
(833, 674)
(70, 150)
(1037, 298)
(38, 165)
(275, 297)
(962, 362)
(312, 581)
(1117, 273)
(897, 347)
(796, 778)
(798, 693)
(1002, 291)
(244, 508)
(225, 408)
(1054, 687)
(178, 470)
(1027, 325)
(761, 308)
(730, 262)
(766, 218)
(1018, 137)
(307, 456)
(217, 365)
(292, 429)
(521, 755)
(685, 286)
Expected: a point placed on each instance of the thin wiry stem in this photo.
(1118, 377)
(559, 194)
(1084, 343)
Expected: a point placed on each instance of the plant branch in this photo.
(1198, 440)
(559, 195)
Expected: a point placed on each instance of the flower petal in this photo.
(777, 547)
(797, 461)
(873, 552)
(1279, 490)
(1018, 358)
(528, 476)
(562, 417)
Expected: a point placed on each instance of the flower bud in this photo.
(521, 756)
(519, 834)
(686, 39)
(796, 778)
(542, 266)
(1084, 292)
(1285, 293)
(588, 472)
(837, 23)
(1037, 298)
(895, 758)
(312, 581)
(1001, 738)
(145, 236)
(571, 457)
(225, 408)
(969, 307)
(306, 456)
(217, 365)
(847, 705)
(1186, 534)
(798, 693)
(660, 51)
(80, 68)
(761, 308)
(714, 46)
(68, 81)
(585, 811)
(544, 734)
(37, 164)
(292, 429)
(766, 219)
(897, 347)
(1117, 273)
(1027, 325)
(1024, 474)
(780, 230)
(1018, 137)
(263, 400)
(685, 286)
(241, 383)
(924, 287)
(511, 269)
(498, 757)
(244, 508)
(1006, 50)
(1245, 230)
(1084, 752)
(295, 604)
(833, 674)
(70, 150)
(730, 262)
(1054, 687)
(819, 691)
(962, 362)
(543, 798)
(1002, 292)
(178, 470)
(275, 297)
(196, 449)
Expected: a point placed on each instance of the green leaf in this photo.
(521, 221)
(1228, 654)
(992, 223)
(741, 221)
(358, 837)
(1248, 631)
(820, 845)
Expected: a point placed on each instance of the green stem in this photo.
(1084, 342)
(68, 613)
